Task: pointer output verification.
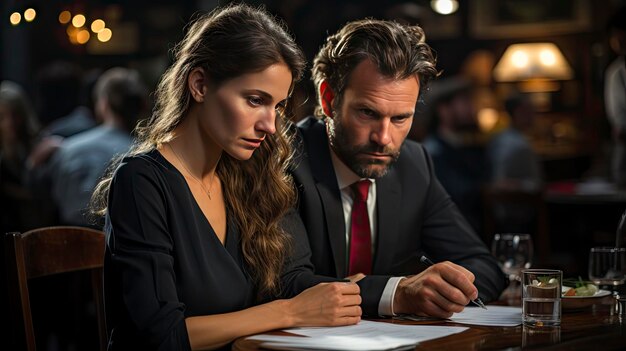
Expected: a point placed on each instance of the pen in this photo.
(477, 301)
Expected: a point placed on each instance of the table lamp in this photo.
(536, 67)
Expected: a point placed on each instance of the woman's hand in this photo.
(326, 304)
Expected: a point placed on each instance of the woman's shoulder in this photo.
(150, 163)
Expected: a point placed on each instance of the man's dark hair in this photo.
(399, 51)
(124, 92)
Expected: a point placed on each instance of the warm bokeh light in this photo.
(519, 59)
(97, 25)
(71, 31)
(30, 14)
(15, 18)
(487, 119)
(65, 17)
(105, 35)
(444, 7)
(78, 21)
(532, 61)
(82, 36)
(73, 39)
(547, 57)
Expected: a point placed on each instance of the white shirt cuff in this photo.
(385, 306)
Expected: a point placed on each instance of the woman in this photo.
(193, 213)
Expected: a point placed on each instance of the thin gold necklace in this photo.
(208, 192)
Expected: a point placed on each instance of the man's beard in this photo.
(348, 153)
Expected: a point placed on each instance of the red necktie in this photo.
(360, 235)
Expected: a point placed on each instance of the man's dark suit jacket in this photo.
(415, 216)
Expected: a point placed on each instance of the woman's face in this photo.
(241, 112)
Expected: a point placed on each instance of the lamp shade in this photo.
(532, 61)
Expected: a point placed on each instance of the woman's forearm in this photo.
(326, 304)
(210, 332)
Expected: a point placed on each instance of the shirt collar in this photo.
(345, 176)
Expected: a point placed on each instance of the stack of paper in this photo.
(494, 316)
(366, 335)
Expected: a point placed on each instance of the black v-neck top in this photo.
(163, 260)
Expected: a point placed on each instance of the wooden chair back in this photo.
(45, 252)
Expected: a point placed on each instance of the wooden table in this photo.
(595, 328)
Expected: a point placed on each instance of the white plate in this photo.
(599, 293)
(580, 302)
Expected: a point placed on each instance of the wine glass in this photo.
(607, 266)
(514, 252)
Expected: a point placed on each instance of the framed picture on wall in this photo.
(491, 19)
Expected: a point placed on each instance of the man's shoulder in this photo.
(616, 68)
(434, 145)
(103, 140)
(79, 120)
(412, 151)
(79, 140)
(412, 145)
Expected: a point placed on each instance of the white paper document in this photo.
(366, 335)
(494, 316)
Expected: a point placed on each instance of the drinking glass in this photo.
(541, 297)
(607, 266)
(514, 252)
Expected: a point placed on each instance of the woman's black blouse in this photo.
(163, 260)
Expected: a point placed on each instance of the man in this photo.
(368, 77)
(514, 164)
(120, 99)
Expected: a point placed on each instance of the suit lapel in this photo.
(328, 190)
(388, 197)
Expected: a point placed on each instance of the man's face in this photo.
(367, 130)
(617, 41)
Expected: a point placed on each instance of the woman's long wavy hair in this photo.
(227, 43)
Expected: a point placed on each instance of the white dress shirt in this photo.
(345, 178)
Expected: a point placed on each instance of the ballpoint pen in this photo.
(477, 301)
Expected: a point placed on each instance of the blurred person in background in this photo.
(514, 163)
(456, 146)
(515, 169)
(72, 173)
(18, 128)
(120, 100)
(59, 89)
(615, 94)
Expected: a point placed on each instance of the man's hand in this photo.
(438, 291)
